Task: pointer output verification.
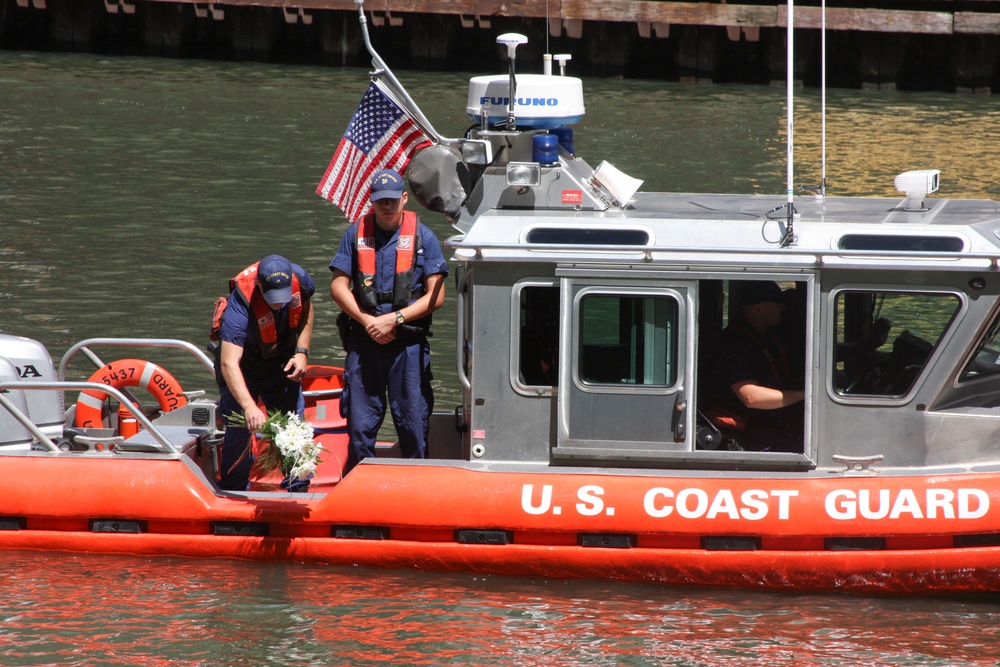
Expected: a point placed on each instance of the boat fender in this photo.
(128, 373)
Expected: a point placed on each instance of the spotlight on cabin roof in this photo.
(918, 183)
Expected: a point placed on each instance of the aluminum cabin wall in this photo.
(911, 430)
(514, 426)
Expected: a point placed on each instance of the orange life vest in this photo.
(245, 285)
(407, 245)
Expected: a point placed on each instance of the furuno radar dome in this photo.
(528, 101)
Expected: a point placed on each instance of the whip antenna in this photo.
(789, 236)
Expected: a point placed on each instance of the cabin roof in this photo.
(680, 227)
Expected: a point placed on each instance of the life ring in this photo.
(128, 373)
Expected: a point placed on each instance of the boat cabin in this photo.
(589, 327)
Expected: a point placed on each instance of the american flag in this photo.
(379, 136)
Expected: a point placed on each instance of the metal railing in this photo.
(171, 343)
(739, 256)
(43, 439)
(122, 395)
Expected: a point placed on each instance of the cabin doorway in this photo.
(625, 347)
(753, 346)
(640, 362)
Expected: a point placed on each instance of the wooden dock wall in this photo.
(930, 45)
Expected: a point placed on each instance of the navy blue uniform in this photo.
(745, 355)
(400, 369)
(265, 378)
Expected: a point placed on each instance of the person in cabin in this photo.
(758, 397)
(388, 278)
(265, 333)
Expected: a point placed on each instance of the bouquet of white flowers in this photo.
(289, 445)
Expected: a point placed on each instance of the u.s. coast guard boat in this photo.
(588, 320)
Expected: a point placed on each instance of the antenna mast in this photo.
(822, 182)
(789, 236)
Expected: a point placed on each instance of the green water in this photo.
(131, 190)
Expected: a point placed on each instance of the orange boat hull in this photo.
(930, 534)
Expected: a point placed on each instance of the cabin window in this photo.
(905, 243)
(538, 341)
(628, 340)
(562, 236)
(884, 339)
(986, 361)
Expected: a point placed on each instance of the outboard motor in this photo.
(26, 360)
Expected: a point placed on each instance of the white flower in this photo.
(297, 446)
(291, 444)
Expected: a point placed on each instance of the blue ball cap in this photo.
(387, 184)
(274, 275)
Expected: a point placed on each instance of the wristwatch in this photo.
(399, 317)
(302, 350)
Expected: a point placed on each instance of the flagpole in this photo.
(383, 68)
